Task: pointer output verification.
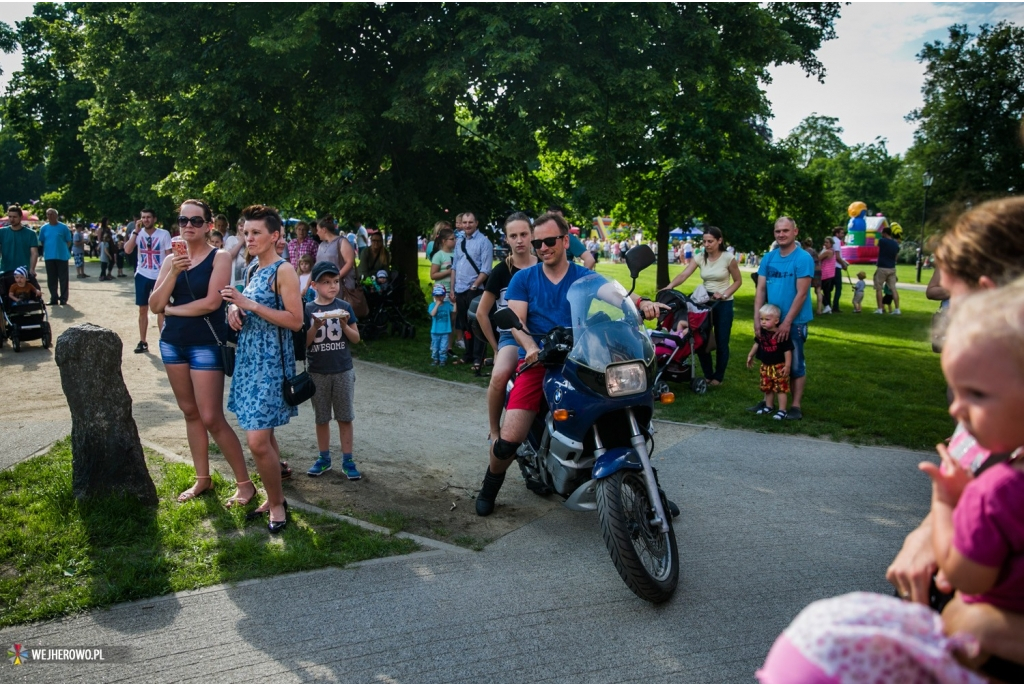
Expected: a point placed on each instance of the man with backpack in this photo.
(471, 265)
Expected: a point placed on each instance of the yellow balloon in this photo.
(897, 230)
(856, 208)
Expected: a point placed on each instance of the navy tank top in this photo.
(192, 330)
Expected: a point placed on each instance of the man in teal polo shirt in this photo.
(56, 241)
(784, 278)
(18, 247)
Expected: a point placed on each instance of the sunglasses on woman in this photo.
(550, 242)
(196, 221)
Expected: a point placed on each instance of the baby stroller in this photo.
(25, 320)
(676, 354)
(384, 299)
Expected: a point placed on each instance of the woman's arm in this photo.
(681, 278)
(737, 280)
(348, 255)
(169, 270)
(287, 286)
(482, 318)
(219, 279)
(935, 291)
(437, 273)
(825, 254)
(236, 248)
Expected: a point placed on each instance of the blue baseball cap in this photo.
(440, 291)
(323, 268)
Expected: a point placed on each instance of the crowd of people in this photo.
(242, 301)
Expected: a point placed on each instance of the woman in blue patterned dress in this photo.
(265, 313)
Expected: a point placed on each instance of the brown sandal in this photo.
(192, 493)
(237, 500)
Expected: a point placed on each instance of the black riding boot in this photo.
(488, 492)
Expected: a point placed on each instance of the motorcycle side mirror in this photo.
(638, 259)
(506, 318)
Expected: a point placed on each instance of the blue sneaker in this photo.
(348, 467)
(319, 468)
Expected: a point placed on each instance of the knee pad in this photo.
(504, 450)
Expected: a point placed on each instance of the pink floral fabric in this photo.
(867, 638)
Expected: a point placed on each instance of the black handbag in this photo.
(227, 347)
(299, 387)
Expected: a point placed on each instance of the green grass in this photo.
(872, 379)
(59, 556)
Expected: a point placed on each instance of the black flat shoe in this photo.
(276, 527)
(255, 514)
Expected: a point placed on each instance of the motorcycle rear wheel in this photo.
(646, 558)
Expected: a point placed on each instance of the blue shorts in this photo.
(198, 357)
(143, 287)
(505, 339)
(79, 259)
(798, 334)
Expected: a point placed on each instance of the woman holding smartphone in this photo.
(187, 293)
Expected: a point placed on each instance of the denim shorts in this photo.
(798, 334)
(505, 339)
(198, 357)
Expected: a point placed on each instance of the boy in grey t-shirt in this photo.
(332, 326)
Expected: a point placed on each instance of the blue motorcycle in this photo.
(591, 444)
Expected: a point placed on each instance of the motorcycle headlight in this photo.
(625, 379)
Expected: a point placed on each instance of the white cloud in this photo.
(873, 78)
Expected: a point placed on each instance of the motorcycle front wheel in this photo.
(646, 558)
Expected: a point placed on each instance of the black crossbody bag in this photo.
(299, 387)
(227, 347)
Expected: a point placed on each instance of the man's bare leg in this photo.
(503, 451)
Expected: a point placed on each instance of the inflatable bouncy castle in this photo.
(861, 232)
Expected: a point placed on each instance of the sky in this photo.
(873, 79)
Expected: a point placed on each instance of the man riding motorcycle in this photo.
(537, 295)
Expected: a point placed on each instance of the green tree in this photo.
(19, 184)
(816, 137)
(41, 110)
(968, 128)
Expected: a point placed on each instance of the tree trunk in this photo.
(405, 257)
(664, 226)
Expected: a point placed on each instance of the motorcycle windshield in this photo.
(606, 326)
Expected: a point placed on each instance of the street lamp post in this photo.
(927, 180)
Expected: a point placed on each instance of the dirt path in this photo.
(419, 442)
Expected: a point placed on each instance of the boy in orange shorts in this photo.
(776, 358)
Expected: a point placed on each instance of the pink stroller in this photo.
(676, 351)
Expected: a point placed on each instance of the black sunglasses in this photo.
(550, 242)
(196, 221)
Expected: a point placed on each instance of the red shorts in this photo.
(772, 379)
(528, 391)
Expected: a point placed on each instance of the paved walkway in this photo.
(769, 523)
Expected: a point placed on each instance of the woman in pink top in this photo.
(827, 259)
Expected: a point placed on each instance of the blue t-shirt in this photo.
(888, 249)
(442, 321)
(547, 303)
(55, 239)
(781, 274)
